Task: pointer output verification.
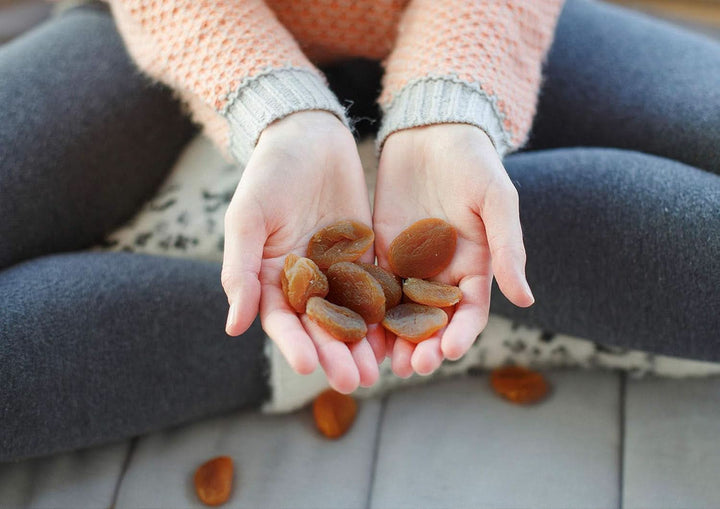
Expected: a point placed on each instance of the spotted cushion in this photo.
(185, 219)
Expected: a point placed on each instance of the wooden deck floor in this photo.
(601, 440)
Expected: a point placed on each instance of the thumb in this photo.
(245, 238)
(501, 217)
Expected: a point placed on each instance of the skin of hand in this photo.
(304, 174)
(452, 172)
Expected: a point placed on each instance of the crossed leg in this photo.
(94, 346)
(85, 138)
(624, 247)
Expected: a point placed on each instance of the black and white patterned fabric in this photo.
(185, 219)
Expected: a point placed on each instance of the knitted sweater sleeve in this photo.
(231, 62)
(477, 62)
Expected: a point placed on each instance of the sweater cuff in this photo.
(271, 96)
(443, 100)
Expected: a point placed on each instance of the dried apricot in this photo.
(431, 293)
(414, 322)
(344, 241)
(519, 384)
(354, 288)
(390, 283)
(300, 280)
(213, 480)
(340, 322)
(334, 413)
(423, 250)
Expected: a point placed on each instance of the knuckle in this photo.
(236, 272)
(501, 192)
(520, 253)
(507, 248)
(229, 279)
(511, 192)
(502, 185)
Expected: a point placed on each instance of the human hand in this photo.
(304, 174)
(452, 172)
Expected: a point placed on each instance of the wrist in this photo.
(443, 133)
(307, 136)
(306, 144)
(444, 139)
(444, 100)
(304, 124)
(271, 97)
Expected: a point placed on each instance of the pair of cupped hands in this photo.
(305, 174)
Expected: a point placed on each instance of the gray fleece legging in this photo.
(620, 206)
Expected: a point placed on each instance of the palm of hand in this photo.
(301, 178)
(452, 172)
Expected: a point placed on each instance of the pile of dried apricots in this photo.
(343, 295)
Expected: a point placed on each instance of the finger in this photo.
(335, 358)
(449, 311)
(427, 356)
(402, 352)
(501, 216)
(470, 318)
(283, 326)
(242, 258)
(376, 338)
(389, 343)
(366, 363)
(369, 255)
(387, 226)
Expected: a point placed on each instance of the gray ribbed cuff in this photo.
(271, 96)
(442, 100)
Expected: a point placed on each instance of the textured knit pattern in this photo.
(444, 99)
(210, 47)
(272, 96)
(210, 50)
(495, 47)
(488, 53)
(333, 29)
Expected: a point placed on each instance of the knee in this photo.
(109, 345)
(602, 218)
(622, 247)
(661, 97)
(606, 181)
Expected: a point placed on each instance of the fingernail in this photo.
(232, 317)
(528, 291)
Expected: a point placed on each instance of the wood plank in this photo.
(672, 444)
(280, 461)
(456, 444)
(84, 478)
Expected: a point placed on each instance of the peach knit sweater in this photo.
(238, 65)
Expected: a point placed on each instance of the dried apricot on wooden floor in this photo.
(390, 283)
(334, 413)
(353, 287)
(414, 322)
(301, 279)
(344, 241)
(340, 322)
(424, 249)
(431, 293)
(519, 384)
(213, 480)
